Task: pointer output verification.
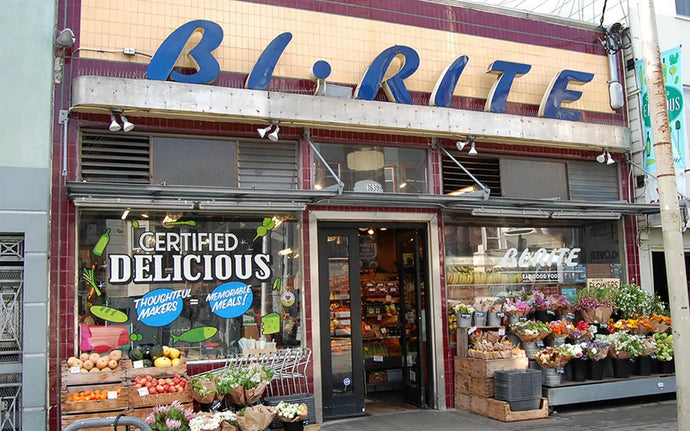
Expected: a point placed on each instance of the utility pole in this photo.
(670, 210)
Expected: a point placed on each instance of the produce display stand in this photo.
(608, 389)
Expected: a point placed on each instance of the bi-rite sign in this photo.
(555, 95)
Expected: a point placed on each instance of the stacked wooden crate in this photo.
(110, 383)
(141, 401)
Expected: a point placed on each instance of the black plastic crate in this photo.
(517, 385)
(307, 399)
(519, 406)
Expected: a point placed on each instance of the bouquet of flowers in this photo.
(623, 345)
(553, 357)
(531, 330)
(517, 307)
(664, 346)
(462, 308)
(596, 303)
(576, 350)
(650, 346)
(217, 421)
(173, 417)
(582, 331)
(541, 301)
(483, 305)
(291, 412)
(560, 304)
(560, 328)
(204, 389)
(660, 322)
(596, 350)
(255, 418)
(633, 300)
(244, 385)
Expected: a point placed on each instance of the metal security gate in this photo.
(11, 305)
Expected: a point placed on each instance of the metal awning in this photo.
(121, 196)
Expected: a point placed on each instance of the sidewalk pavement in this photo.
(638, 414)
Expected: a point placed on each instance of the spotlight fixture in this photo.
(601, 158)
(609, 159)
(273, 136)
(473, 150)
(126, 125)
(264, 130)
(460, 145)
(66, 38)
(114, 125)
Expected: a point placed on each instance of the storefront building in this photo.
(330, 176)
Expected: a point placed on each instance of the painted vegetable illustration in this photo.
(89, 275)
(109, 314)
(179, 223)
(195, 335)
(276, 283)
(266, 226)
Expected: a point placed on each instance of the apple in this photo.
(152, 390)
(138, 385)
(160, 389)
(172, 389)
(149, 378)
(183, 383)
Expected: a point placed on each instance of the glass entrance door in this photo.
(412, 256)
(341, 335)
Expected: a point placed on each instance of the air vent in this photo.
(267, 165)
(121, 158)
(485, 169)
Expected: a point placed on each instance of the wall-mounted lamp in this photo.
(601, 158)
(115, 126)
(609, 159)
(470, 140)
(66, 38)
(605, 157)
(273, 136)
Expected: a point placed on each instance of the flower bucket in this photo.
(667, 367)
(480, 318)
(530, 348)
(464, 320)
(645, 366)
(622, 368)
(579, 370)
(599, 314)
(550, 377)
(513, 319)
(293, 426)
(492, 319)
(595, 369)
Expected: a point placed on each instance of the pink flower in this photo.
(149, 419)
(173, 424)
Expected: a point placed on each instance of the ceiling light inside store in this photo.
(285, 252)
(124, 215)
(371, 231)
(365, 160)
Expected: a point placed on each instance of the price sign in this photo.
(75, 370)
(500, 315)
(137, 364)
(570, 316)
(112, 395)
(551, 312)
(388, 298)
(560, 370)
(378, 358)
(143, 391)
(522, 319)
(540, 344)
(501, 331)
(472, 329)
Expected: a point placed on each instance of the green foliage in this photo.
(632, 300)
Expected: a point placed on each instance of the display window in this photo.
(195, 281)
(372, 169)
(499, 260)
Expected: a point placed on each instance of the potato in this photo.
(88, 365)
(84, 357)
(115, 355)
(94, 370)
(102, 362)
(83, 370)
(93, 357)
(112, 364)
(107, 370)
(73, 362)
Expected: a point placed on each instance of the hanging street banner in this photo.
(673, 80)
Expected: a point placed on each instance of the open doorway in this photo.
(375, 344)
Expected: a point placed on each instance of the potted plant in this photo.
(664, 352)
(632, 300)
(550, 358)
(624, 346)
(464, 314)
(597, 353)
(516, 308)
(596, 303)
(560, 329)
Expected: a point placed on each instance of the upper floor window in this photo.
(372, 169)
(683, 7)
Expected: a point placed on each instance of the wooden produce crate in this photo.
(121, 402)
(485, 368)
(145, 411)
(155, 372)
(462, 402)
(500, 410)
(68, 419)
(479, 405)
(151, 400)
(71, 379)
(462, 384)
(462, 365)
(481, 387)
